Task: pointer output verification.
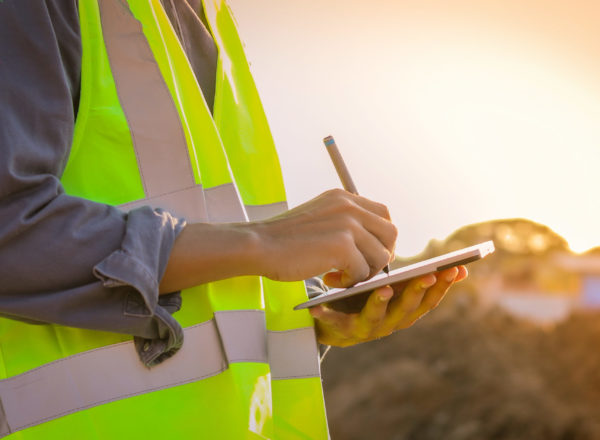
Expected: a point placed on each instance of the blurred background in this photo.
(472, 120)
(511, 353)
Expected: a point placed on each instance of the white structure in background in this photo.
(536, 307)
(588, 268)
(541, 307)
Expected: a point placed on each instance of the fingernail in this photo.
(315, 312)
(452, 275)
(428, 284)
(428, 281)
(345, 280)
(385, 295)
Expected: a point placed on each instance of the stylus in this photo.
(343, 173)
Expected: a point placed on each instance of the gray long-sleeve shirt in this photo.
(64, 259)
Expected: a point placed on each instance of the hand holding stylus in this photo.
(343, 173)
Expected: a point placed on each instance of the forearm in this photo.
(206, 252)
(336, 230)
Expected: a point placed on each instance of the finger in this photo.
(369, 215)
(373, 313)
(351, 266)
(379, 227)
(329, 317)
(436, 293)
(463, 273)
(432, 297)
(374, 252)
(333, 278)
(376, 208)
(406, 303)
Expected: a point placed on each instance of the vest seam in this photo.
(161, 195)
(265, 204)
(220, 185)
(303, 376)
(291, 330)
(187, 188)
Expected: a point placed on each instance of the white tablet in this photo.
(451, 259)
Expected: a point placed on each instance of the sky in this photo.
(449, 112)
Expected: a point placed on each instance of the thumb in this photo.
(337, 278)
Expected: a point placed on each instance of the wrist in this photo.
(206, 252)
(249, 252)
(257, 248)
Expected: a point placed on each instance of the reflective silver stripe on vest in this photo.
(220, 204)
(284, 359)
(88, 379)
(153, 120)
(188, 203)
(243, 334)
(224, 204)
(263, 212)
(4, 428)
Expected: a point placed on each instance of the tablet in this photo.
(446, 261)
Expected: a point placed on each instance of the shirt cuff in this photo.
(136, 269)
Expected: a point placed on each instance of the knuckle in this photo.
(346, 242)
(338, 195)
(331, 192)
(349, 223)
(344, 204)
(384, 211)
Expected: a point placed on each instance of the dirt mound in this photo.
(460, 374)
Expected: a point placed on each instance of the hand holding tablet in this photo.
(442, 262)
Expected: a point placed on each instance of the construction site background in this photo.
(511, 354)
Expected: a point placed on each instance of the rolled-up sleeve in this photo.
(64, 259)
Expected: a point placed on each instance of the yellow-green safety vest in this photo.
(144, 135)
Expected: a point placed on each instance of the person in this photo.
(120, 119)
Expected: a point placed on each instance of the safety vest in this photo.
(144, 135)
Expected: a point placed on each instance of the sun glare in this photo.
(451, 113)
(516, 125)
